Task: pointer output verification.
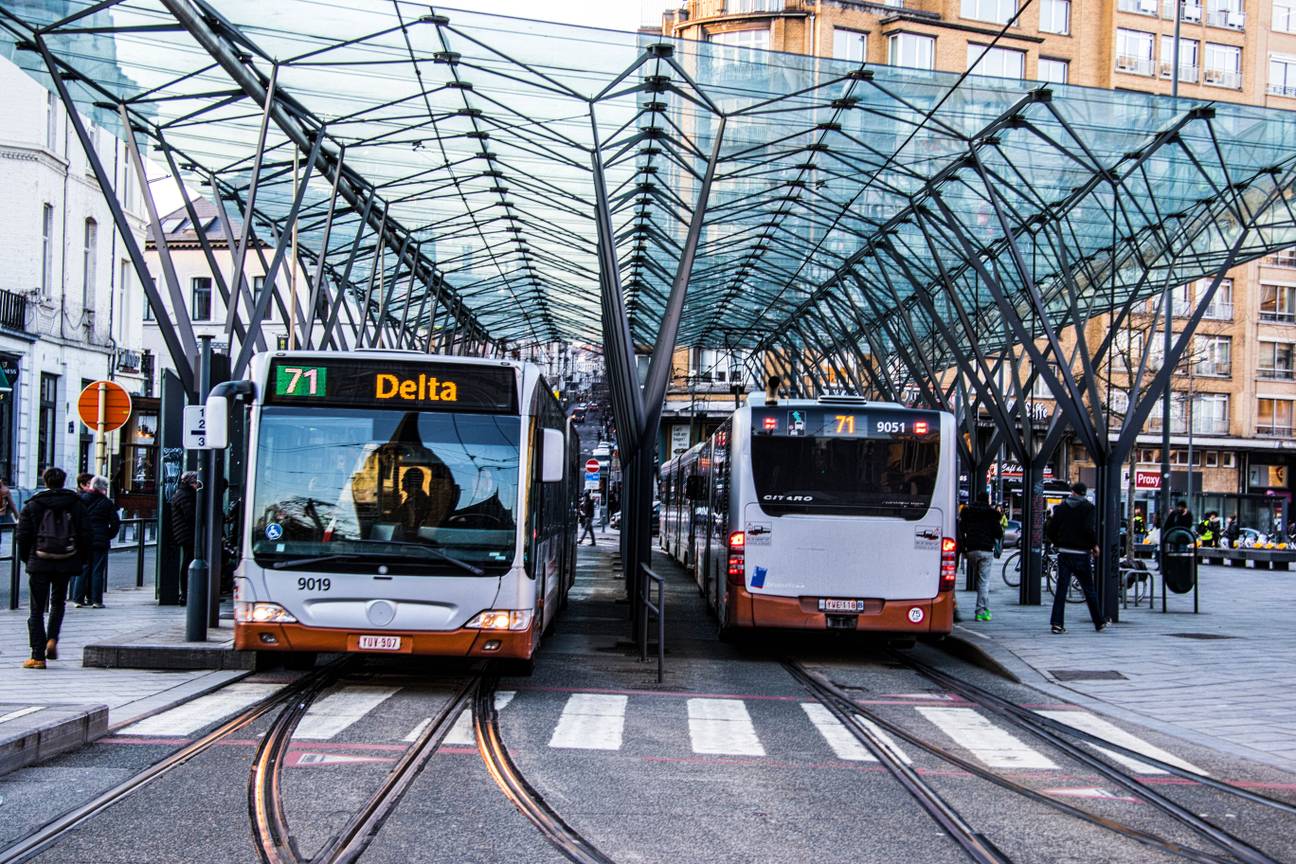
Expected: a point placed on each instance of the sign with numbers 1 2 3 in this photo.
(304, 381)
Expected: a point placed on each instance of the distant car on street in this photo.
(1012, 534)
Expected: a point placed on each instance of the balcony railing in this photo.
(1276, 374)
(1142, 7)
(1133, 64)
(13, 311)
(1229, 18)
(1277, 317)
(1285, 258)
(1211, 426)
(1187, 74)
(1221, 78)
(1274, 431)
(1192, 12)
(1215, 370)
(1283, 90)
(1219, 312)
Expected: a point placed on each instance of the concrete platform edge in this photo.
(182, 656)
(1022, 672)
(48, 733)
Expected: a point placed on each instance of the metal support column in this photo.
(196, 597)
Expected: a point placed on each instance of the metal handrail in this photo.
(659, 610)
(138, 542)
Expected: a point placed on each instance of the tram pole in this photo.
(196, 597)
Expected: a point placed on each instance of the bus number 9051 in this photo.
(312, 583)
(891, 427)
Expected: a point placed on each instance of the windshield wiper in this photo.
(319, 559)
(464, 565)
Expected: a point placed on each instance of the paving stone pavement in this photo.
(1236, 694)
(130, 612)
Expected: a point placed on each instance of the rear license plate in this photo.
(380, 643)
(830, 604)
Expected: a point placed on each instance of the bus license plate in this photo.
(829, 604)
(380, 643)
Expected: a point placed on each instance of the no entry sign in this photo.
(591, 466)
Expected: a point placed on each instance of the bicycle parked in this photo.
(1011, 574)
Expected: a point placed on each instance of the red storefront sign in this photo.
(1147, 480)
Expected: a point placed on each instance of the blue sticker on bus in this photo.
(273, 531)
(758, 578)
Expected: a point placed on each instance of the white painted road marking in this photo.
(21, 712)
(461, 733)
(722, 726)
(887, 743)
(839, 738)
(1095, 725)
(991, 745)
(339, 710)
(193, 715)
(591, 721)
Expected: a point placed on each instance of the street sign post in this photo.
(103, 406)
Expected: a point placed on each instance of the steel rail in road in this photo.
(822, 688)
(515, 787)
(43, 837)
(977, 846)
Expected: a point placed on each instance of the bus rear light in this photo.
(920, 427)
(737, 539)
(737, 568)
(948, 570)
(769, 424)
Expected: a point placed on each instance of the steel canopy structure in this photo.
(469, 183)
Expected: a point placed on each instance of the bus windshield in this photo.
(849, 463)
(349, 489)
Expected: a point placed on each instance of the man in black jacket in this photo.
(54, 541)
(184, 513)
(980, 528)
(101, 516)
(1071, 531)
(1180, 517)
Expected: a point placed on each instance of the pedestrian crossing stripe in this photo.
(1100, 728)
(20, 712)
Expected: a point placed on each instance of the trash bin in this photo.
(1179, 560)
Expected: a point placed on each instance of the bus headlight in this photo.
(262, 613)
(501, 619)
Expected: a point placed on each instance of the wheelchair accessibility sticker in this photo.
(273, 531)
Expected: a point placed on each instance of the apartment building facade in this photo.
(1239, 387)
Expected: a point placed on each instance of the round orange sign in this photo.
(116, 405)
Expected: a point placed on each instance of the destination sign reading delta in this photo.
(418, 386)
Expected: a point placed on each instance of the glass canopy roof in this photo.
(848, 199)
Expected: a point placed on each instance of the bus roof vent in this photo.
(842, 400)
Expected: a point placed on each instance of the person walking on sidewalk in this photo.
(101, 514)
(53, 539)
(184, 512)
(1071, 531)
(587, 519)
(980, 530)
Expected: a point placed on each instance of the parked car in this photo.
(1012, 534)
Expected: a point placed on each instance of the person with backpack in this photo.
(54, 540)
(101, 514)
(980, 529)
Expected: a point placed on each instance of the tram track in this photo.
(846, 709)
(42, 838)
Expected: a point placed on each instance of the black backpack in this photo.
(54, 537)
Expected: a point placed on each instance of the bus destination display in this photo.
(408, 386)
(844, 423)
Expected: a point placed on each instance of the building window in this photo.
(997, 62)
(258, 282)
(51, 120)
(1278, 303)
(47, 249)
(1274, 417)
(1142, 7)
(1226, 13)
(1276, 360)
(88, 263)
(47, 423)
(1133, 51)
(1284, 18)
(758, 38)
(1214, 356)
(1223, 65)
(1210, 413)
(1221, 305)
(1181, 301)
(1188, 49)
(735, 7)
(1054, 71)
(1227, 459)
(996, 11)
(1055, 17)
(850, 44)
(200, 298)
(1282, 76)
(911, 50)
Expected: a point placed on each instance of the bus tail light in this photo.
(737, 568)
(948, 571)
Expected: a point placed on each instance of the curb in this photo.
(48, 732)
(961, 648)
(181, 657)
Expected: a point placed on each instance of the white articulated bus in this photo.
(403, 503)
(836, 513)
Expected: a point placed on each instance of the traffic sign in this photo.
(592, 481)
(195, 427)
(116, 406)
(591, 466)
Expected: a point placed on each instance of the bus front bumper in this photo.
(464, 642)
(933, 614)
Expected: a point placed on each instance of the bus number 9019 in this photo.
(312, 583)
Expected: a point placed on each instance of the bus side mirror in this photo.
(695, 488)
(216, 419)
(555, 456)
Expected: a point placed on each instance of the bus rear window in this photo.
(880, 475)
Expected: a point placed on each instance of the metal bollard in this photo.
(15, 581)
(139, 553)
